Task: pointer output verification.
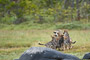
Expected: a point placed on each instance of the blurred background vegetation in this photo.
(42, 14)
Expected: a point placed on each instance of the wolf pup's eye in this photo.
(54, 32)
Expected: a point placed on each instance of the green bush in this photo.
(31, 25)
(86, 26)
(73, 25)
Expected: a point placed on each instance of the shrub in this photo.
(73, 25)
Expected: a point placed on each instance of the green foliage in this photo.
(48, 25)
(73, 25)
(7, 20)
(70, 26)
(58, 11)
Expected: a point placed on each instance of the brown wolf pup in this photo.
(51, 44)
(67, 40)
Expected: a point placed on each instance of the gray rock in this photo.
(43, 53)
(86, 56)
(16, 59)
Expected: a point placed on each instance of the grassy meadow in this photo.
(14, 42)
(25, 23)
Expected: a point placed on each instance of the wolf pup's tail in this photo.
(73, 42)
(41, 44)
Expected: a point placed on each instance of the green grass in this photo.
(14, 42)
(32, 25)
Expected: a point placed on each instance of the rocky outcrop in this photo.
(43, 53)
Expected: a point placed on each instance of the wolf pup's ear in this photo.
(65, 31)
